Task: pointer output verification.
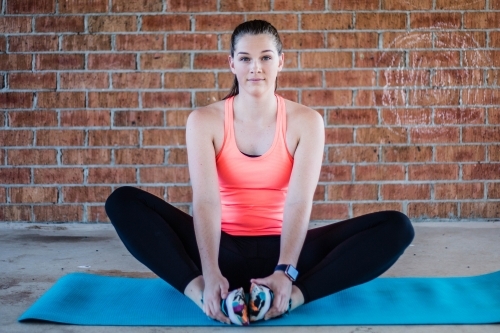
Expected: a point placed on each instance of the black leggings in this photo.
(334, 257)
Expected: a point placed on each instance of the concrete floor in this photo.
(34, 256)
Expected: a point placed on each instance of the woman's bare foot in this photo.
(194, 290)
(297, 298)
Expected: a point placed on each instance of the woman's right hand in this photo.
(216, 288)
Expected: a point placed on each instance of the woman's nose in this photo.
(255, 66)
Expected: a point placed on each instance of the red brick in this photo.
(58, 213)
(319, 193)
(406, 40)
(381, 135)
(15, 62)
(494, 4)
(460, 39)
(281, 21)
(55, 137)
(224, 22)
(292, 95)
(339, 135)
(481, 134)
(459, 116)
(481, 171)
(192, 6)
(406, 5)
(85, 80)
(458, 191)
(457, 5)
(165, 60)
(352, 40)
(166, 99)
(481, 20)
(481, 58)
(164, 137)
(406, 116)
(86, 193)
(378, 59)
(32, 118)
(177, 156)
(328, 21)
(112, 61)
(335, 173)
(189, 80)
(15, 213)
(407, 154)
(31, 156)
(3, 44)
(493, 191)
(480, 97)
(97, 214)
(245, 6)
(404, 78)
(352, 116)
(225, 41)
(32, 80)
(16, 137)
(302, 40)
(299, 6)
(436, 96)
(27, 43)
(138, 118)
(494, 41)
(113, 137)
(14, 100)
(352, 154)
(405, 191)
(59, 24)
(86, 43)
(136, 6)
(87, 118)
(421, 210)
(33, 194)
(136, 80)
(58, 175)
(15, 175)
(422, 59)
(140, 156)
(61, 100)
(300, 79)
(164, 175)
(30, 6)
(377, 21)
(350, 78)
(112, 175)
(494, 115)
(114, 23)
(59, 61)
(192, 42)
(379, 172)
(166, 23)
(3, 194)
(139, 42)
(329, 211)
(115, 99)
(15, 24)
(435, 134)
(359, 209)
(203, 98)
(326, 60)
(179, 194)
(433, 171)
(391, 98)
(177, 118)
(494, 153)
(439, 20)
(482, 210)
(457, 77)
(327, 97)
(79, 6)
(350, 192)
(211, 61)
(85, 156)
(225, 80)
(353, 5)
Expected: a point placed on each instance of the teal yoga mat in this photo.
(86, 299)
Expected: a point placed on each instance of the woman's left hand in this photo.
(281, 286)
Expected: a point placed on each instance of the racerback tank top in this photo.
(253, 189)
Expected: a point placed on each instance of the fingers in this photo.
(211, 307)
(280, 305)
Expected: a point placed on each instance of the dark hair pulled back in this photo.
(254, 27)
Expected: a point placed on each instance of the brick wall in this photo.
(94, 94)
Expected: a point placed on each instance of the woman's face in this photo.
(256, 63)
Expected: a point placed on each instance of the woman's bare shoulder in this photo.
(207, 116)
(300, 115)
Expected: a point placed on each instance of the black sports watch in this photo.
(289, 270)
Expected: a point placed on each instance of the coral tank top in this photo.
(253, 189)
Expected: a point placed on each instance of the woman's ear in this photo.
(231, 64)
(281, 61)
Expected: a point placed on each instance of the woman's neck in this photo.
(248, 107)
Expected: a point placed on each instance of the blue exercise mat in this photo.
(86, 299)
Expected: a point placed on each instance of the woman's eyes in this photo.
(248, 59)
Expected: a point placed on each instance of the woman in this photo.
(254, 162)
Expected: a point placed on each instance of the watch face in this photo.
(292, 272)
